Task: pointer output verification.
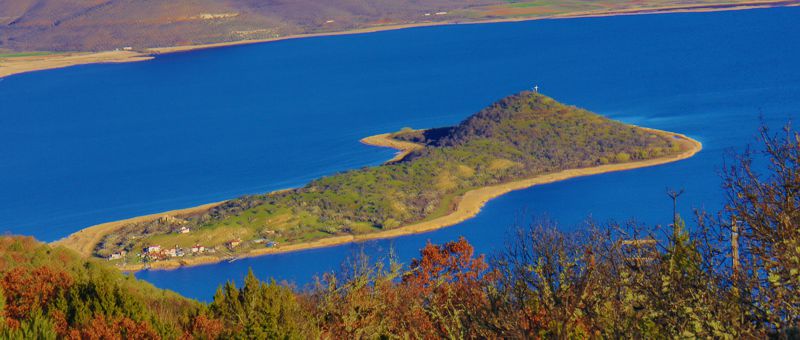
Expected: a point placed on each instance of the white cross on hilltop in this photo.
(536, 88)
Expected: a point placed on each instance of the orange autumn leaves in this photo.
(32, 292)
(29, 289)
(441, 294)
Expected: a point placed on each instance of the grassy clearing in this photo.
(26, 54)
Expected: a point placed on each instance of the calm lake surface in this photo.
(96, 143)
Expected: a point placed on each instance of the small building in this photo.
(234, 243)
(197, 249)
(441, 13)
(172, 252)
(272, 244)
(151, 249)
(184, 230)
(117, 255)
(127, 48)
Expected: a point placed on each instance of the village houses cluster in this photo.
(159, 253)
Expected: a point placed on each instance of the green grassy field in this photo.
(25, 54)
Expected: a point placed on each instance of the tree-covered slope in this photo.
(518, 137)
(51, 291)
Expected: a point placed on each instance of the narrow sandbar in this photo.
(385, 140)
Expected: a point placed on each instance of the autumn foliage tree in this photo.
(52, 293)
(101, 328)
(763, 213)
(449, 283)
(440, 295)
(205, 328)
(28, 290)
(547, 286)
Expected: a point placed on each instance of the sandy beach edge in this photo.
(31, 64)
(384, 140)
(83, 241)
(19, 65)
(468, 206)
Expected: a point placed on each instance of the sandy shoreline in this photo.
(385, 140)
(468, 206)
(83, 241)
(17, 65)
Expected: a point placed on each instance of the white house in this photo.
(152, 249)
(117, 255)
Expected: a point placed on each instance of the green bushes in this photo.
(259, 311)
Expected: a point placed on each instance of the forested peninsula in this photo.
(519, 141)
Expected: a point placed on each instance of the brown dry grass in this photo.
(10, 66)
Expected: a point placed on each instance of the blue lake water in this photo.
(96, 143)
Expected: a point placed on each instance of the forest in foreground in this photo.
(727, 274)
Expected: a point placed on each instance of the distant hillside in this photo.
(107, 24)
(92, 25)
(519, 137)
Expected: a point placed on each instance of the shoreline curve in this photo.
(384, 140)
(61, 60)
(469, 205)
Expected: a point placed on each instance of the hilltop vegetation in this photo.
(518, 137)
(57, 25)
